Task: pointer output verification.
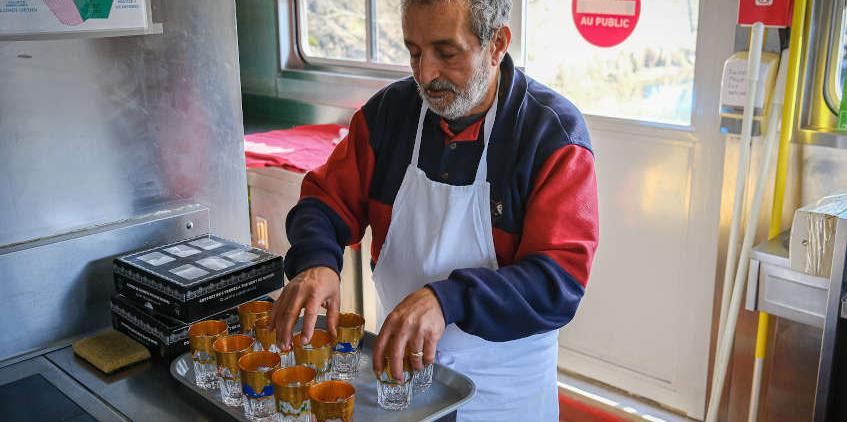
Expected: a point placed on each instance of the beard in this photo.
(464, 99)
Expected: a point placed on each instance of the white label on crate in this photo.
(156, 258)
(182, 251)
(215, 263)
(189, 272)
(207, 244)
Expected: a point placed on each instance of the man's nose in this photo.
(429, 70)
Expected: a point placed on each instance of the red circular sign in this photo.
(605, 23)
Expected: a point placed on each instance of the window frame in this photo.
(377, 75)
(371, 43)
(630, 123)
(835, 56)
(517, 48)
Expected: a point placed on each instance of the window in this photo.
(649, 76)
(357, 32)
(836, 68)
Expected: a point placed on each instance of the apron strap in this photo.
(418, 134)
(488, 128)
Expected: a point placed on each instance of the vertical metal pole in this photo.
(726, 338)
(795, 50)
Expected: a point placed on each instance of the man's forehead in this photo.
(438, 22)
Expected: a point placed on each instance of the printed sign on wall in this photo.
(32, 17)
(605, 23)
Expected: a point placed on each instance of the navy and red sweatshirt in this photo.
(543, 202)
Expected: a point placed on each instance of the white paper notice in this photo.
(734, 86)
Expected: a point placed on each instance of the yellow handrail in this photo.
(795, 49)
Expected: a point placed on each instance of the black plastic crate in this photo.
(166, 337)
(196, 278)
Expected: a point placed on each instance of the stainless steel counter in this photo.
(144, 392)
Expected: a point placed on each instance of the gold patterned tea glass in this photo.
(266, 337)
(201, 336)
(228, 349)
(316, 354)
(291, 390)
(256, 369)
(249, 312)
(332, 401)
(347, 349)
(391, 394)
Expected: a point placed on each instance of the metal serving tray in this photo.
(449, 390)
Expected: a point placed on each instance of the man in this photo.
(478, 184)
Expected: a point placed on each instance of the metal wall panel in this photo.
(96, 132)
(99, 130)
(61, 288)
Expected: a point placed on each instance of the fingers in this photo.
(429, 347)
(415, 326)
(378, 353)
(278, 318)
(391, 345)
(332, 307)
(289, 317)
(310, 317)
(396, 350)
(310, 289)
(415, 351)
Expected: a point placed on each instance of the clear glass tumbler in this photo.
(291, 391)
(256, 369)
(266, 340)
(316, 354)
(332, 401)
(422, 379)
(392, 394)
(201, 336)
(228, 349)
(348, 345)
(249, 312)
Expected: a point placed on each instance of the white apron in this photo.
(437, 228)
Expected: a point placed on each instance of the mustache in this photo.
(440, 85)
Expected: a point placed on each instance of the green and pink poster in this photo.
(40, 17)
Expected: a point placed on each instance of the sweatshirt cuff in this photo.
(451, 297)
(314, 259)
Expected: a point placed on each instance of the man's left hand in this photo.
(414, 326)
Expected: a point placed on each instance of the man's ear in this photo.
(500, 42)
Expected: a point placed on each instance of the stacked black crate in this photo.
(161, 291)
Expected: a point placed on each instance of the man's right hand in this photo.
(310, 290)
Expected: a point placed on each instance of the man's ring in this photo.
(416, 354)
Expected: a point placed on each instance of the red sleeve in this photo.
(561, 218)
(344, 181)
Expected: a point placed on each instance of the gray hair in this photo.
(486, 16)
